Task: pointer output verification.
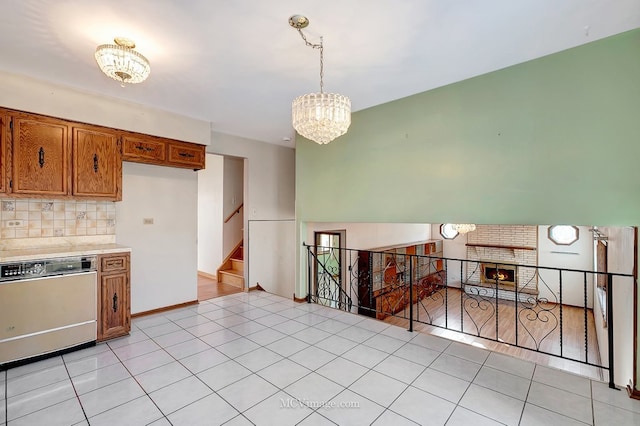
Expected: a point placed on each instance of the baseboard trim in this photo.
(633, 393)
(256, 287)
(166, 308)
(206, 275)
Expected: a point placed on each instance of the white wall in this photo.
(620, 250)
(367, 236)
(452, 249)
(275, 239)
(578, 255)
(164, 255)
(269, 175)
(269, 182)
(233, 193)
(210, 215)
(31, 95)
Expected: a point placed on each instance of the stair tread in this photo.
(232, 272)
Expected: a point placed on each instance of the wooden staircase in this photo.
(232, 269)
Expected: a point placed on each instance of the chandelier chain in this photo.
(320, 47)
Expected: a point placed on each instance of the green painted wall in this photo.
(554, 140)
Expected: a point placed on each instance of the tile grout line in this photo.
(119, 381)
(312, 324)
(75, 390)
(345, 388)
(265, 347)
(196, 374)
(6, 397)
(31, 390)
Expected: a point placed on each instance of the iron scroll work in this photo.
(549, 311)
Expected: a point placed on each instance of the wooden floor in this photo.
(208, 288)
(537, 328)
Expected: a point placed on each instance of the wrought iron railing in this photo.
(327, 288)
(553, 311)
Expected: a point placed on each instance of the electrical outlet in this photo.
(15, 223)
(147, 221)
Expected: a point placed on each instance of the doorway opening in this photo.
(221, 189)
(330, 279)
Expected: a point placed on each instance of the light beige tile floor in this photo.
(256, 358)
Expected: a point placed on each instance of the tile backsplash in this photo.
(36, 218)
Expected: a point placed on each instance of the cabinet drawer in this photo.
(114, 263)
(183, 155)
(144, 150)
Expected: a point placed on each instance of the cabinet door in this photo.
(40, 157)
(144, 150)
(190, 156)
(4, 138)
(97, 164)
(114, 306)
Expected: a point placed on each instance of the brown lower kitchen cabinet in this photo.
(114, 295)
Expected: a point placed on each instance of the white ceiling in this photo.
(238, 64)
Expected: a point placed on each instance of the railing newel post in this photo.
(308, 274)
(561, 328)
(610, 342)
(586, 323)
(410, 293)
(515, 322)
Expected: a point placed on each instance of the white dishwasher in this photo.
(46, 306)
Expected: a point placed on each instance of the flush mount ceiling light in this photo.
(463, 228)
(120, 62)
(320, 117)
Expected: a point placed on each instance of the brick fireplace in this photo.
(489, 246)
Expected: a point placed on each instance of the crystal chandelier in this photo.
(463, 228)
(320, 117)
(120, 62)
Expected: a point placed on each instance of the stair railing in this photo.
(343, 300)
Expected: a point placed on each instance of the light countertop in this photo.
(24, 254)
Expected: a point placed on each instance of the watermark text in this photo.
(304, 402)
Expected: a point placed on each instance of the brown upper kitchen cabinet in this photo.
(4, 137)
(97, 164)
(140, 149)
(40, 150)
(162, 152)
(186, 155)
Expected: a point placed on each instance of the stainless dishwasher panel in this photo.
(43, 315)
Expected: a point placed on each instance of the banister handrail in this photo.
(235, 212)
